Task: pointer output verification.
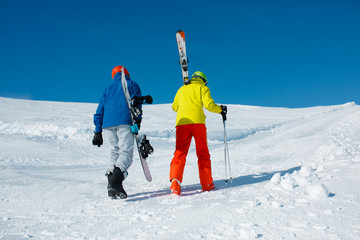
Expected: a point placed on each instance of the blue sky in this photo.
(280, 53)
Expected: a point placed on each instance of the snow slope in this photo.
(295, 176)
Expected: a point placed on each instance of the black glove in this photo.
(223, 112)
(97, 140)
(138, 122)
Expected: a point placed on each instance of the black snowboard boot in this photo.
(115, 187)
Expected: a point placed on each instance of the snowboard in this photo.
(143, 146)
(180, 38)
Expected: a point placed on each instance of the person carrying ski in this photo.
(190, 122)
(113, 116)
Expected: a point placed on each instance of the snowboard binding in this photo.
(145, 147)
(136, 102)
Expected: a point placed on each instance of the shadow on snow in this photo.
(194, 189)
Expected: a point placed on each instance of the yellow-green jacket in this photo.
(190, 100)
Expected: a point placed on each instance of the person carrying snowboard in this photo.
(190, 122)
(113, 116)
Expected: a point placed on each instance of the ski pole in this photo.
(226, 155)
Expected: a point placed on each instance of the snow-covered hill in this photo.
(296, 175)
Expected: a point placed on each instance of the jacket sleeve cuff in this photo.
(98, 129)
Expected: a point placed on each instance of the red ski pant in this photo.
(184, 134)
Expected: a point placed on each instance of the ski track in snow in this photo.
(295, 176)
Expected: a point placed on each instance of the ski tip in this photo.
(181, 32)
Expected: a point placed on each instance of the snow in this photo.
(295, 176)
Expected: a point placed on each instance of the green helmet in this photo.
(200, 75)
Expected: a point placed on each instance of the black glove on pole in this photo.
(223, 112)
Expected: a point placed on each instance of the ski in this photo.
(180, 38)
(143, 146)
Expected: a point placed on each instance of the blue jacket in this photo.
(113, 109)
